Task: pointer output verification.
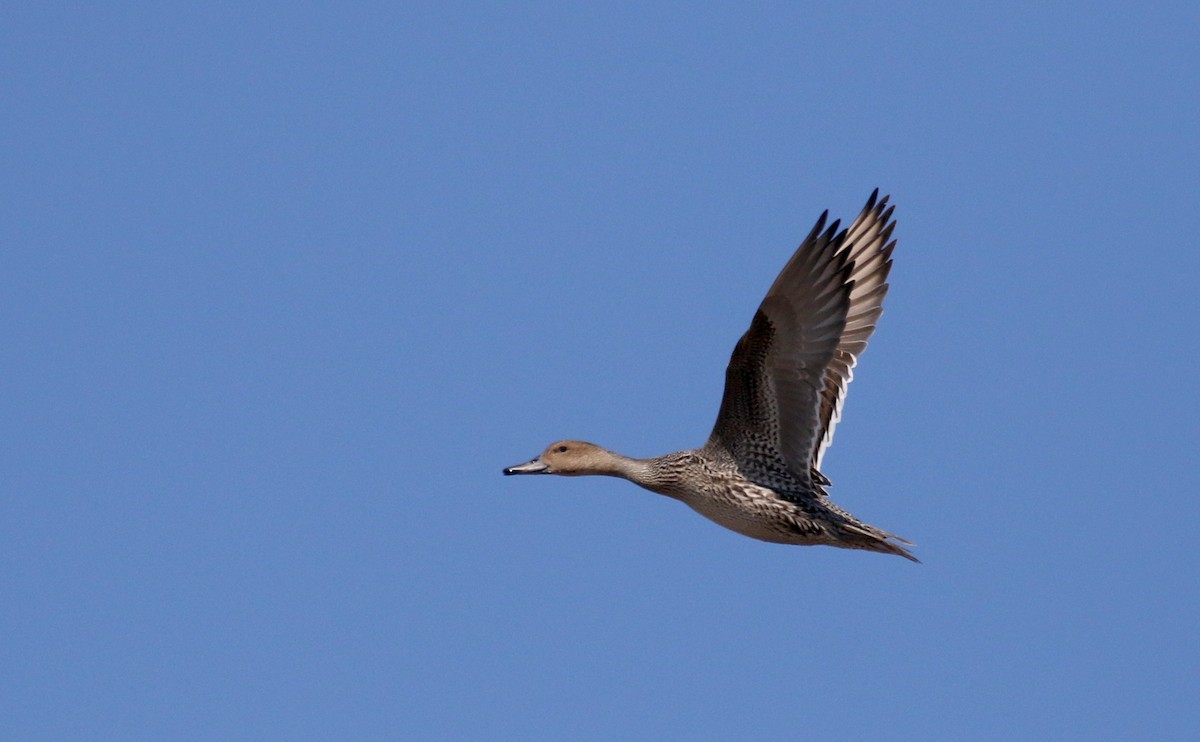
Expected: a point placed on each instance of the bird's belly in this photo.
(762, 517)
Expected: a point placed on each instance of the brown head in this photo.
(571, 458)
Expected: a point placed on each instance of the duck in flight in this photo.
(759, 473)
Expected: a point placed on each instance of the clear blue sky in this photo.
(285, 285)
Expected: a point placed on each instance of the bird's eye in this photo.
(561, 449)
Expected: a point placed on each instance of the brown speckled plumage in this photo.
(758, 474)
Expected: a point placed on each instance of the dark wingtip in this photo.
(818, 227)
(833, 229)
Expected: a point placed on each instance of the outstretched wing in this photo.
(770, 415)
(866, 246)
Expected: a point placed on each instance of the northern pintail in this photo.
(759, 473)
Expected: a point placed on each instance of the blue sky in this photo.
(286, 285)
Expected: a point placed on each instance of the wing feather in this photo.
(786, 380)
(770, 412)
(869, 246)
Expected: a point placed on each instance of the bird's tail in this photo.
(870, 538)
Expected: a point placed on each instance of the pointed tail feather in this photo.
(872, 539)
